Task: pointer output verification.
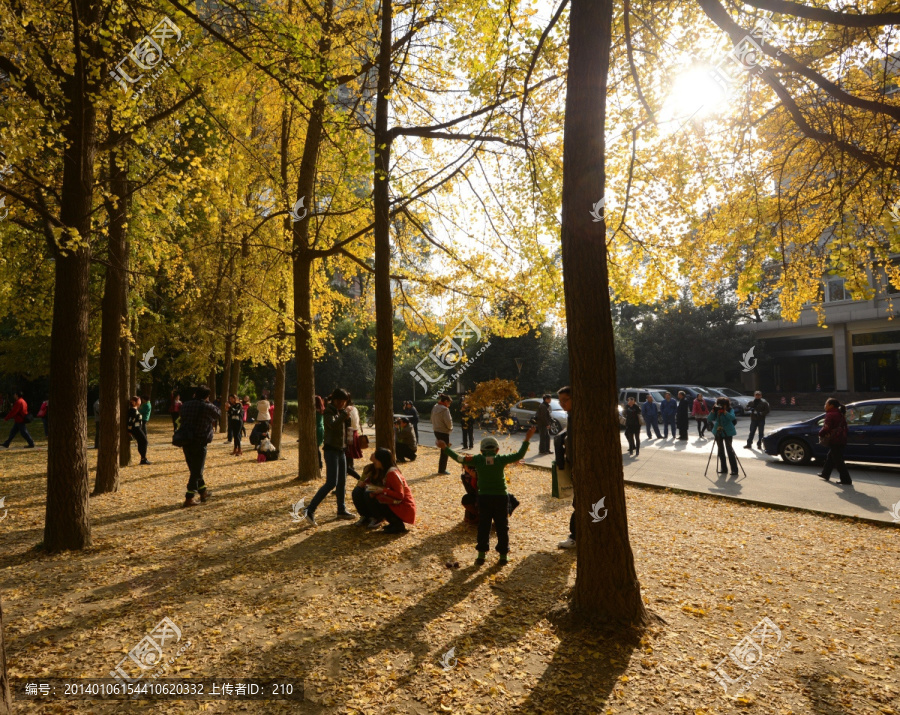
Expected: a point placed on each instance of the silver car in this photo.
(524, 411)
(736, 398)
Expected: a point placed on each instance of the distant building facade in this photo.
(856, 351)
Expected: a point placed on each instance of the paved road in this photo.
(768, 480)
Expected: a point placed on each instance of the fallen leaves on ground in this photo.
(365, 619)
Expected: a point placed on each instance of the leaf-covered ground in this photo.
(365, 618)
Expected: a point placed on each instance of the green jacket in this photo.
(145, 409)
(320, 428)
(491, 479)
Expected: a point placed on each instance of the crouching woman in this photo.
(383, 494)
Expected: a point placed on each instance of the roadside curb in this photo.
(743, 500)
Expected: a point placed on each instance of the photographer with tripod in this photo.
(722, 423)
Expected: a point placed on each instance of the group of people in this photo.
(678, 413)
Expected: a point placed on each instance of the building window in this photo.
(835, 291)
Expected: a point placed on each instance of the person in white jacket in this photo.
(262, 410)
(351, 437)
(442, 424)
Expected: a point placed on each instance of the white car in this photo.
(524, 411)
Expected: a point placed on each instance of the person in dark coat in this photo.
(467, 424)
(543, 420)
(758, 408)
(683, 415)
(650, 412)
(834, 432)
(409, 409)
(668, 407)
(199, 418)
(633, 427)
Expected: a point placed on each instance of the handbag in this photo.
(363, 441)
(27, 418)
(181, 438)
(561, 486)
(641, 420)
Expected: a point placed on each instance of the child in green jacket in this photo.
(493, 499)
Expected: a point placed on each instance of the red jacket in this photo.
(43, 411)
(396, 489)
(835, 428)
(18, 412)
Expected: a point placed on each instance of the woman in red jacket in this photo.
(834, 434)
(19, 415)
(392, 499)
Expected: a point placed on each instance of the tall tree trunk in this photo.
(114, 296)
(212, 387)
(235, 375)
(125, 365)
(5, 695)
(226, 385)
(278, 397)
(606, 583)
(384, 312)
(308, 463)
(67, 517)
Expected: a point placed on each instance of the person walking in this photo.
(320, 427)
(683, 412)
(20, 417)
(42, 416)
(175, 408)
(405, 439)
(442, 425)
(198, 420)
(834, 435)
(235, 424)
(542, 420)
(136, 428)
(493, 498)
(565, 453)
(633, 427)
(336, 419)
(722, 421)
(145, 409)
(409, 409)
(468, 425)
(700, 412)
(97, 424)
(668, 407)
(650, 413)
(759, 408)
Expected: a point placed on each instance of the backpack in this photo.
(256, 434)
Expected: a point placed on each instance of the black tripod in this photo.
(716, 444)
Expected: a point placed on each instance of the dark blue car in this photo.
(873, 435)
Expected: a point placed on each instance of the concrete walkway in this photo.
(768, 480)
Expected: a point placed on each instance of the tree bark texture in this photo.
(606, 584)
(384, 311)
